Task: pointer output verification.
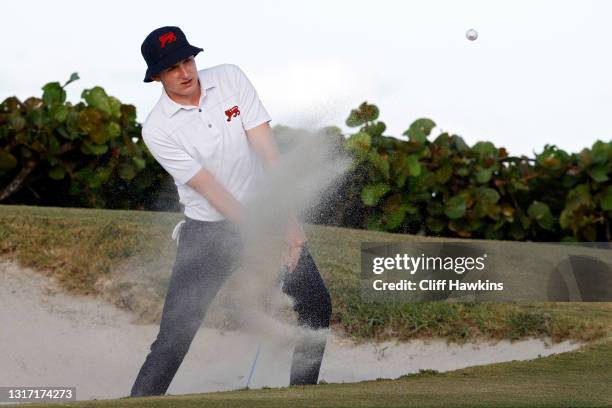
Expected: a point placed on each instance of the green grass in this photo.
(92, 251)
(575, 379)
(88, 250)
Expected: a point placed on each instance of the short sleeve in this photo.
(252, 111)
(178, 163)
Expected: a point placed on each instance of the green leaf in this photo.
(103, 174)
(444, 173)
(115, 107)
(99, 136)
(525, 221)
(113, 130)
(599, 173)
(493, 232)
(584, 158)
(443, 139)
(93, 149)
(10, 104)
(24, 138)
(140, 163)
(53, 94)
(402, 173)
(589, 233)
(126, 172)
(519, 185)
(579, 197)
(57, 173)
(16, 121)
(600, 152)
(378, 162)
(89, 120)
(435, 208)
(371, 194)
(128, 114)
(53, 144)
(460, 227)
(488, 195)
(375, 130)
(73, 77)
(359, 143)
(435, 225)
(419, 130)
(484, 175)
(365, 113)
(7, 160)
(33, 103)
(462, 171)
(392, 221)
(61, 113)
(354, 120)
(517, 232)
(460, 144)
(455, 207)
(541, 214)
(97, 98)
(565, 218)
(332, 131)
(606, 199)
(374, 222)
(413, 164)
(35, 118)
(485, 149)
(369, 112)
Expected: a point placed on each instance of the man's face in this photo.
(181, 79)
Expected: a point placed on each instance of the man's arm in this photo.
(183, 168)
(205, 183)
(262, 141)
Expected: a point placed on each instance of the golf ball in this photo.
(471, 34)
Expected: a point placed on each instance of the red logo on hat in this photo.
(232, 113)
(166, 38)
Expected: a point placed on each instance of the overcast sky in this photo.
(540, 71)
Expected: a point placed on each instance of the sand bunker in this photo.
(53, 339)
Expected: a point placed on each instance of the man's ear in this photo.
(155, 78)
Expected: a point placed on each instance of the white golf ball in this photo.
(471, 34)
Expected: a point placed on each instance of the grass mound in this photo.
(126, 257)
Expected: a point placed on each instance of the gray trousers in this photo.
(206, 257)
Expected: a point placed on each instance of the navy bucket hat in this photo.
(165, 47)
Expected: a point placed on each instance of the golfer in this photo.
(211, 133)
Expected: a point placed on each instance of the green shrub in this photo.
(89, 154)
(445, 187)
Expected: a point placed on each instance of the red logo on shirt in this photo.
(166, 38)
(232, 113)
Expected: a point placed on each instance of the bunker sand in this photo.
(64, 340)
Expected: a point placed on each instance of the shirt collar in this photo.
(171, 107)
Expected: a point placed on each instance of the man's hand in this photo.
(296, 238)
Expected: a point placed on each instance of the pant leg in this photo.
(205, 257)
(313, 306)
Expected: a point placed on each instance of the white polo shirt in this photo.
(212, 136)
